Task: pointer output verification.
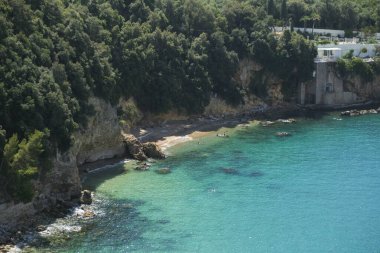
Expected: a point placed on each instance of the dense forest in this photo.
(167, 54)
(357, 15)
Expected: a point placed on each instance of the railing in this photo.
(326, 59)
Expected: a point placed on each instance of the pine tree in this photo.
(271, 7)
(378, 18)
(284, 10)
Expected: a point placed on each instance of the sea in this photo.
(317, 190)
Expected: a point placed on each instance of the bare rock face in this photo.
(248, 72)
(152, 150)
(364, 90)
(102, 138)
(134, 147)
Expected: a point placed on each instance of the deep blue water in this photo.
(316, 191)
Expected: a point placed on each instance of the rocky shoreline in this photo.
(140, 145)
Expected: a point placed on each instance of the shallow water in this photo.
(316, 191)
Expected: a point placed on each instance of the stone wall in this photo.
(328, 88)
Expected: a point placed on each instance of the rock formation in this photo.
(101, 139)
(152, 150)
(134, 147)
(86, 197)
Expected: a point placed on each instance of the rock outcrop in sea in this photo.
(152, 150)
(142, 151)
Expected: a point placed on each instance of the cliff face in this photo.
(251, 80)
(103, 138)
(100, 140)
(364, 90)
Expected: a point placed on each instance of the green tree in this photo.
(315, 18)
(271, 8)
(21, 161)
(284, 10)
(378, 18)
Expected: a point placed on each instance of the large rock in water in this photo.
(86, 197)
(134, 147)
(152, 150)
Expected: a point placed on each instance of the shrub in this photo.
(362, 69)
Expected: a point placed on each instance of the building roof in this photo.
(329, 48)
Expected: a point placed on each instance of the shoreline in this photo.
(166, 136)
(176, 132)
(171, 133)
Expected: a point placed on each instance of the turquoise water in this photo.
(316, 191)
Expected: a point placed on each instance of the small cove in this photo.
(316, 191)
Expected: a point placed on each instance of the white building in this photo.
(328, 88)
(324, 32)
(328, 54)
(332, 52)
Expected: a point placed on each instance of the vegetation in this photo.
(356, 66)
(359, 15)
(21, 161)
(166, 54)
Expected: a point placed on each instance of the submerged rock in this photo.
(267, 123)
(143, 167)
(256, 174)
(163, 171)
(86, 197)
(223, 135)
(373, 111)
(230, 171)
(291, 120)
(88, 214)
(283, 134)
(354, 112)
(152, 150)
(6, 248)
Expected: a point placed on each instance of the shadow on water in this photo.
(96, 178)
(120, 228)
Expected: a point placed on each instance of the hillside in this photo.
(167, 54)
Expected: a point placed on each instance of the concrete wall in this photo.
(326, 88)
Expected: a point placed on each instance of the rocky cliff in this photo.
(100, 140)
(104, 138)
(259, 88)
(364, 90)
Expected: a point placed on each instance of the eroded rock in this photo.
(142, 167)
(152, 150)
(134, 147)
(86, 197)
(354, 112)
(373, 111)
